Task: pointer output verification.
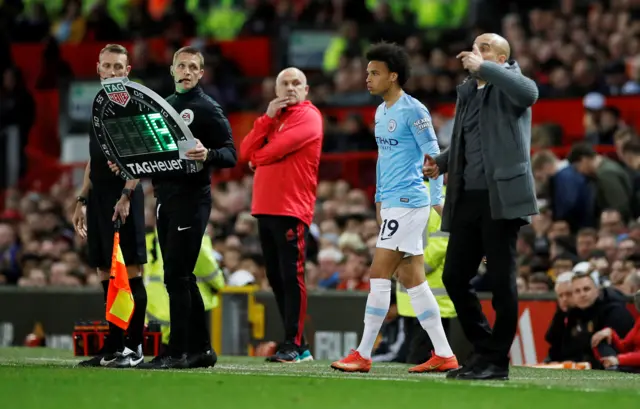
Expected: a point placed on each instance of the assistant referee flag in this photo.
(120, 303)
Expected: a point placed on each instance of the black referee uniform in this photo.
(182, 211)
(106, 189)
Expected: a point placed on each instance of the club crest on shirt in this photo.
(392, 125)
(187, 116)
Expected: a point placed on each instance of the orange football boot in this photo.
(436, 364)
(354, 362)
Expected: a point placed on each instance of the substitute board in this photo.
(140, 132)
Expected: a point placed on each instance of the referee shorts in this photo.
(100, 230)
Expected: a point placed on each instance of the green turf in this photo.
(44, 378)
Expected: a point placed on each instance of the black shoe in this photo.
(206, 359)
(473, 361)
(488, 372)
(287, 353)
(103, 358)
(97, 360)
(127, 358)
(166, 362)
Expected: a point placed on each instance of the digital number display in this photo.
(140, 134)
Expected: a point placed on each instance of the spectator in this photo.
(17, 108)
(586, 240)
(567, 189)
(594, 310)
(558, 328)
(354, 277)
(71, 27)
(329, 262)
(620, 353)
(613, 187)
(539, 283)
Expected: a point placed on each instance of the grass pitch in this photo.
(40, 378)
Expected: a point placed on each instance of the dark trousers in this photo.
(181, 223)
(284, 242)
(475, 234)
(417, 341)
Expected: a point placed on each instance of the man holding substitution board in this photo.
(182, 211)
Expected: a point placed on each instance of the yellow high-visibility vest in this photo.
(209, 276)
(436, 242)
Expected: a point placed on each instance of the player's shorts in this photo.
(100, 230)
(403, 229)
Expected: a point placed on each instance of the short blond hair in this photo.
(192, 51)
(115, 49)
(542, 158)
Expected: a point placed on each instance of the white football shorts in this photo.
(403, 229)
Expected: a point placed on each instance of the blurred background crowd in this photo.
(589, 203)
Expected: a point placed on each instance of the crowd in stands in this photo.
(589, 203)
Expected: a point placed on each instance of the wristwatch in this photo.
(81, 199)
(126, 192)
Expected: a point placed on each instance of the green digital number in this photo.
(162, 132)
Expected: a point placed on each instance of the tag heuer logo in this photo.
(117, 93)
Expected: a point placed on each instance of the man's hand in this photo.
(609, 361)
(276, 106)
(114, 168)
(430, 168)
(79, 220)
(438, 209)
(253, 168)
(471, 60)
(121, 209)
(602, 335)
(198, 153)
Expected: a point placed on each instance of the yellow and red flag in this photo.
(120, 303)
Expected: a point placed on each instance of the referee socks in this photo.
(136, 327)
(376, 311)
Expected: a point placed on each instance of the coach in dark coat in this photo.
(490, 195)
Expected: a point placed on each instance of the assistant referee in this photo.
(103, 198)
(183, 206)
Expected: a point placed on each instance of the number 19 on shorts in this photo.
(389, 228)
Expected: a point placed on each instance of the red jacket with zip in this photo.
(285, 152)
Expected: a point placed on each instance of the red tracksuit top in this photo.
(628, 349)
(285, 152)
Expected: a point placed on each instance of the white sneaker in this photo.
(128, 358)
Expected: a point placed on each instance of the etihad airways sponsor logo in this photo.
(154, 166)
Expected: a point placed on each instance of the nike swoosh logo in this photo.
(384, 238)
(183, 228)
(104, 362)
(135, 362)
(432, 367)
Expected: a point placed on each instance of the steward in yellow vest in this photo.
(207, 271)
(435, 242)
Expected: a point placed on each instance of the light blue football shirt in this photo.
(404, 134)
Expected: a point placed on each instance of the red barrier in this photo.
(568, 113)
(82, 57)
(534, 317)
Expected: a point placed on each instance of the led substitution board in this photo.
(138, 130)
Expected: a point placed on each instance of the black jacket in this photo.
(609, 311)
(207, 122)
